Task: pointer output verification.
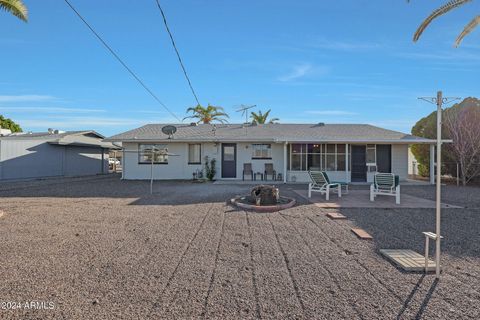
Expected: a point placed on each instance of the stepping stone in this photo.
(362, 234)
(335, 215)
(408, 260)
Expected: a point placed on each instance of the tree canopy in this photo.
(15, 7)
(6, 123)
(453, 118)
(261, 118)
(447, 7)
(207, 114)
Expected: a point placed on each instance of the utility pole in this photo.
(439, 101)
(439, 183)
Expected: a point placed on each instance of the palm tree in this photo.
(207, 114)
(261, 118)
(15, 7)
(452, 4)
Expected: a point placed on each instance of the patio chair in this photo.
(386, 184)
(270, 171)
(341, 183)
(247, 170)
(319, 183)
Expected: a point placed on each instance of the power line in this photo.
(176, 51)
(121, 61)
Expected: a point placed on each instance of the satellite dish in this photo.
(169, 130)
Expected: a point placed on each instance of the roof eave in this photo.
(283, 140)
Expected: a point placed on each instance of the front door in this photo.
(359, 164)
(229, 160)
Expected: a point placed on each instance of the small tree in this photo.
(210, 168)
(6, 123)
(207, 114)
(262, 118)
(463, 127)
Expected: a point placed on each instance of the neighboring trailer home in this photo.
(53, 153)
(348, 152)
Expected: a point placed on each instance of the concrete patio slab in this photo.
(362, 234)
(361, 199)
(336, 216)
(408, 260)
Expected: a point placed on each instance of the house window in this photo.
(194, 153)
(261, 151)
(159, 152)
(371, 155)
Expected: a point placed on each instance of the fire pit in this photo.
(263, 198)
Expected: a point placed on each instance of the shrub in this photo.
(210, 168)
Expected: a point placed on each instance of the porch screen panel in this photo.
(341, 158)
(314, 157)
(298, 157)
(317, 157)
(330, 158)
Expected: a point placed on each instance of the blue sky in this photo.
(309, 61)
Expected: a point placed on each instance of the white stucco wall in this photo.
(244, 155)
(178, 167)
(412, 163)
(400, 160)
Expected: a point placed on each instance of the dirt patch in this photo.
(107, 249)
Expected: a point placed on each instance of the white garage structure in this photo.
(52, 154)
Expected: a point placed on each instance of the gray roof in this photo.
(86, 138)
(270, 132)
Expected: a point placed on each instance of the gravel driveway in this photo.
(102, 248)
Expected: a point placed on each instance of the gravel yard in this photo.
(102, 248)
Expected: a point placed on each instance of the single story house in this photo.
(348, 152)
(53, 153)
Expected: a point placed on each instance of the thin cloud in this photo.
(49, 110)
(331, 112)
(26, 98)
(445, 57)
(297, 72)
(343, 45)
(86, 122)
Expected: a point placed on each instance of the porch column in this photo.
(346, 164)
(432, 164)
(285, 162)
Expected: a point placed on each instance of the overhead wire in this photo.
(117, 57)
(177, 52)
